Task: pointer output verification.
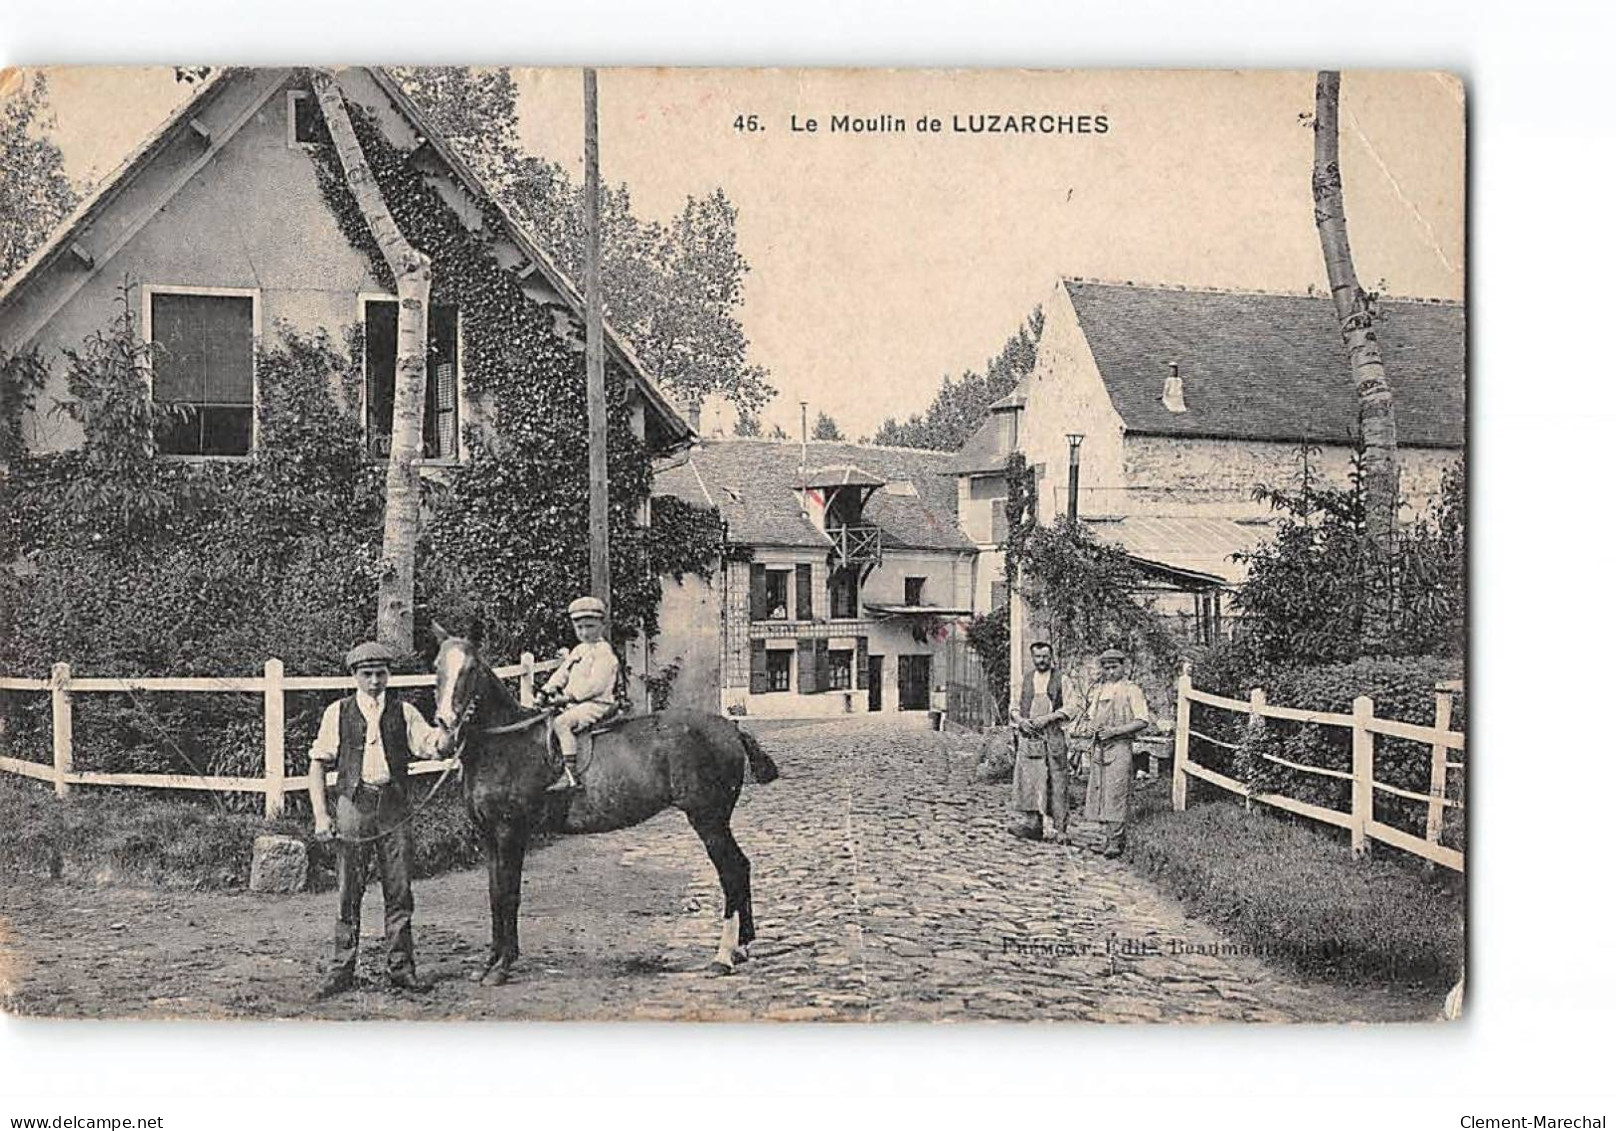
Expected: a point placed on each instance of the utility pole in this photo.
(600, 574)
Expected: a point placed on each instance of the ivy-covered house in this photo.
(1153, 412)
(232, 226)
(846, 581)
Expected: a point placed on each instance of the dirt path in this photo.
(886, 888)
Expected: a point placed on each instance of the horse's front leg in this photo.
(509, 845)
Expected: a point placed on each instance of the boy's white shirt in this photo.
(589, 673)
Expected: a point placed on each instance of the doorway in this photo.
(875, 683)
(914, 683)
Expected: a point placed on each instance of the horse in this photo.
(692, 760)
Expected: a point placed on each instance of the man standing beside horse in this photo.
(1040, 781)
(371, 736)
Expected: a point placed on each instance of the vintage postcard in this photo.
(837, 545)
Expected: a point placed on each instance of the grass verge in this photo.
(1290, 889)
(148, 838)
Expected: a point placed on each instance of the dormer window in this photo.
(302, 118)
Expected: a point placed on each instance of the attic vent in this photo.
(903, 487)
(1173, 390)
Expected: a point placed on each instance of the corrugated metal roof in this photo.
(1203, 545)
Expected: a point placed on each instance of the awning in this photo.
(915, 611)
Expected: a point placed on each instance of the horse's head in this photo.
(459, 667)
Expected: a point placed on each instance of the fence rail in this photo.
(272, 685)
(1365, 726)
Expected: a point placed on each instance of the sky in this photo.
(882, 261)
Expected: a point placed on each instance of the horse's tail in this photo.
(763, 768)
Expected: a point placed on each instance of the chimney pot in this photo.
(1173, 390)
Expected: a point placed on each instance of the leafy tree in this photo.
(825, 429)
(1309, 590)
(960, 406)
(674, 289)
(474, 109)
(778, 433)
(34, 190)
(747, 424)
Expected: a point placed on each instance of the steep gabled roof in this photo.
(753, 484)
(1264, 366)
(666, 423)
(981, 454)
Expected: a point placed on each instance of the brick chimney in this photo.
(1173, 390)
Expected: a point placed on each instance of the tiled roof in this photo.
(1269, 366)
(1199, 544)
(753, 484)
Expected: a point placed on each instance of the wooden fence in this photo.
(1360, 820)
(272, 685)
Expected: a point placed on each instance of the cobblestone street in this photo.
(886, 889)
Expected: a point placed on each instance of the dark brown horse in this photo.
(691, 760)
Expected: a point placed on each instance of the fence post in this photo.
(61, 725)
(525, 692)
(274, 739)
(1439, 768)
(1254, 727)
(1363, 774)
(1181, 744)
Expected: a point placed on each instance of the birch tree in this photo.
(412, 279)
(1377, 423)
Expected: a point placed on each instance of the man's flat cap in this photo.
(1116, 654)
(587, 607)
(369, 652)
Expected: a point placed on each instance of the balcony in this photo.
(855, 545)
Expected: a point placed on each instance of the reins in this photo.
(452, 763)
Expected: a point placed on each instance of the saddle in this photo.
(616, 717)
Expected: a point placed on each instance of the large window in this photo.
(914, 589)
(202, 361)
(440, 422)
(779, 670)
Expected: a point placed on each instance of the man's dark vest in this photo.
(351, 743)
(1054, 692)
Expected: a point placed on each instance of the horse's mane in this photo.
(498, 694)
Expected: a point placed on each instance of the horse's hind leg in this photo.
(734, 876)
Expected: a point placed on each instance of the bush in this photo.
(153, 838)
(1403, 689)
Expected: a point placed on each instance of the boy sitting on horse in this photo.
(583, 688)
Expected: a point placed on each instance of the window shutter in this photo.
(805, 592)
(1001, 523)
(807, 673)
(760, 591)
(760, 667)
(822, 664)
(861, 664)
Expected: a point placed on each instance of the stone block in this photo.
(280, 865)
(997, 760)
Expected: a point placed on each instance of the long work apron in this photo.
(1111, 775)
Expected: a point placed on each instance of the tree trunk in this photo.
(1377, 422)
(412, 278)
